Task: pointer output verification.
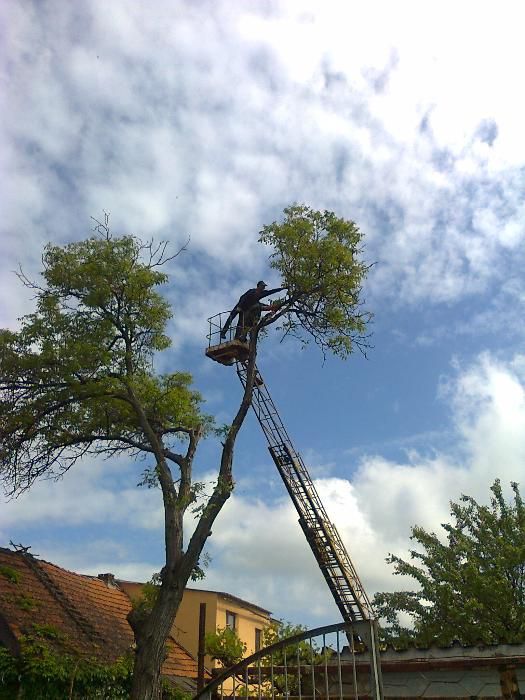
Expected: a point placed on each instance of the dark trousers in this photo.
(246, 321)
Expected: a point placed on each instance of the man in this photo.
(249, 309)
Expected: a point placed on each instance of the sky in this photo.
(202, 120)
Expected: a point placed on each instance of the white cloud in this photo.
(184, 121)
(489, 402)
(259, 549)
(92, 492)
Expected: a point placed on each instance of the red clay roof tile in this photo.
(90, 615)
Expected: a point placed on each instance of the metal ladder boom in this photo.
(322, 536)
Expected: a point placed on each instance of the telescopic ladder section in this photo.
(325, 542)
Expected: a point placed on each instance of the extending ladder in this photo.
(322, 536)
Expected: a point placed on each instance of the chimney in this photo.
(109, 580)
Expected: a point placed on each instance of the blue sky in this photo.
(204, 120)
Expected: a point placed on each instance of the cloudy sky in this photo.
(203, 120)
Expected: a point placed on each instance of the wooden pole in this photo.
(200, 656)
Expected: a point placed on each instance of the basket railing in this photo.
(215, 325)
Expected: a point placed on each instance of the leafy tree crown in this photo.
(225, 645)
(317, 255)
(67, 376)
(471, 587)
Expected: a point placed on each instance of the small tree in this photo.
(77, 379)
(225, 646)
(294, 656)
(278, 631)
(471, 588)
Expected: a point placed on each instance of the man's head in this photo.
(261, 285)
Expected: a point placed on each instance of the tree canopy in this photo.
(471, 587)
(78, 379)
(318, 256)
(73, 375)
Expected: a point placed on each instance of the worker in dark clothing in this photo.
(249, 309)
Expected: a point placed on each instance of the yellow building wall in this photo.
(247, 621)
(186, 626)
(131, 589)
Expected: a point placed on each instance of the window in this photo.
(231, 620)
(258, 639)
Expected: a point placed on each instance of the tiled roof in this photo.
(87, 612)
(26, 602)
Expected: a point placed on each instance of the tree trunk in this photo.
(152, 632)
(150, 636)
(509, 683)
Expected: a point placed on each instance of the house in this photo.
(88, 613)
(222, 610)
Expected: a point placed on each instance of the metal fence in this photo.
(335, 661)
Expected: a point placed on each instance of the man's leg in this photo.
(228, 323)
(242, 327)
(254, 316)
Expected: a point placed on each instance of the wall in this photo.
(248, 620)
(451, 672)
(186, 627)
(453, 683)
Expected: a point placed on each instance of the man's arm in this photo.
(267, 293)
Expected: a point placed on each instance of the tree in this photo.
(225, 645)
(278, 631)
(317, 255)
(77, 379)
(294, 656)
(471, 588)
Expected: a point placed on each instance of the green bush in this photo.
(10, 574)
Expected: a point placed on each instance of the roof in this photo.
(89, 614)
(234, 599)
(453, 656)
(227, 596)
